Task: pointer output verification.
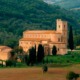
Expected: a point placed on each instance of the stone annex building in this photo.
(48, 38)
(4, 54)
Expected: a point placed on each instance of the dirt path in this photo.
(36, 73)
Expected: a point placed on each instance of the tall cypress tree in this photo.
(32, 56)
(40, 53)
(70, 41)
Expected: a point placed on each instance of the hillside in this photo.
(52, 1)
(70, 4)
(19, 15)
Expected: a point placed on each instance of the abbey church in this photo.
(48, 38)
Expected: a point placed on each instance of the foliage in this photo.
(18, 50)
(70, 41)
(72, 76)
(20, 15)
(26, 59)
(40, 53)
(12, 55)
(70, 58)
(19, 65)
(10, 63)
(45, 68)
(77, 40)
(32, 56)
(54, 50)
(19, 53)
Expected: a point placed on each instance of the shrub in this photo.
(45, 68)
(10, 63)
(68, 61)
(26, 59)
(73, 56)
(72, 76)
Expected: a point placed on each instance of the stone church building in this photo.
(48, 38)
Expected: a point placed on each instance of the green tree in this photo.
(54, 50)
(70, 41)
(19, 52)
(40, 53)
(45, 68)
(72, 76)
(32, 56)
(12, 59)
(26, 59)
(12, 55)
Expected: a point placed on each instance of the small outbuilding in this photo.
(4, 53)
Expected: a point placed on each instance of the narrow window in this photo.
(59, 26)
(64, 26)
(61, 39)
(58, 39)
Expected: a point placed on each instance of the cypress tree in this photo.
(70, 41)
(54, 50)
(32, 56)
(40, 53)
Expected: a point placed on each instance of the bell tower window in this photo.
(59, 26)
(64, 26)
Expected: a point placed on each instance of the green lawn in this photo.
(70, 58)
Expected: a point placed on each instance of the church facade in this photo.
(48, 38)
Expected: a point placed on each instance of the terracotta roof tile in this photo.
(41, 31)
(1, 47)
(34, 39)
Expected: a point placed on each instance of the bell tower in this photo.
(62, 27)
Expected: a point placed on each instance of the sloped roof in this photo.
(41, 32)
(1, 47)
(5, 48)
(34, 39)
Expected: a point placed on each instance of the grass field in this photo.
(34, 73)
(70, 58)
